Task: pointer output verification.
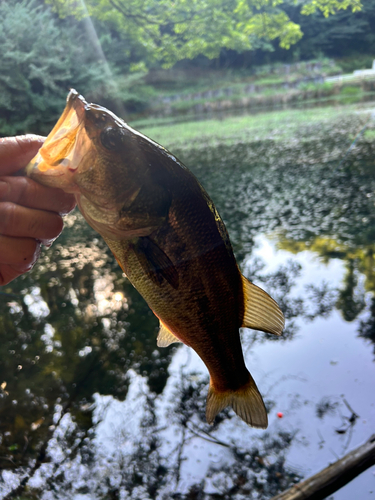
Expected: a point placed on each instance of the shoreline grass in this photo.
(276, 125)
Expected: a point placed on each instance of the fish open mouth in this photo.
(66, 144)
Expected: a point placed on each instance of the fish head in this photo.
(95, 155)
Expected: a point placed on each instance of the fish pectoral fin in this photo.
(246, 402)
(156, 263)
(261, 311)
(165, 336)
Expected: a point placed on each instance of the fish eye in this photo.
(111, 138)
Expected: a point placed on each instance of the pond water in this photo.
(90, 408)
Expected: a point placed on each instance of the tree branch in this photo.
(333, 477)
(137, 18)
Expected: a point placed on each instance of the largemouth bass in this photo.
(170, 241)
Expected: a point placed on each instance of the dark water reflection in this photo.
(91, 408)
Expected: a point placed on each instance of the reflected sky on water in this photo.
(90, 408)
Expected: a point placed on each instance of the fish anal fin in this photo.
(261, 312)
(246, 402)
(165, 336)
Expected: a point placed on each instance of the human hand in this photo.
(30, 214)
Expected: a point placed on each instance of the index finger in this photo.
(16, 152)
(28, 193)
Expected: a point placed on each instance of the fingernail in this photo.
(47, 243)
(37, 251)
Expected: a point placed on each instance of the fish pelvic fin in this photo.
(261, 312)
(165, 336)
(245, 401)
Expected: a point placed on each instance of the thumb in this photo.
(16, 152)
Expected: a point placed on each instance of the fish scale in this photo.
(170, 241)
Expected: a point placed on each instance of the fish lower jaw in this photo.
(52, 177)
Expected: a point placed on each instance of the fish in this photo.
(169, 239)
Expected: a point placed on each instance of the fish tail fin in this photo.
(245, 401)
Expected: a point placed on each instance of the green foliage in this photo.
(350, 90)
(358, 61)
(161, 32)
(325, 87)
(40, 61)
(350, 94)
(370, 134)
(124, 93)
(346, 34)
(328, 7)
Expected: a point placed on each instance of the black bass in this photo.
(170, 241)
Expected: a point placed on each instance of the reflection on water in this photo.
(91, 408)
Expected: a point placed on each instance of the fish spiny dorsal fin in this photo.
(261, 312)
(165, 336)
(246, 402)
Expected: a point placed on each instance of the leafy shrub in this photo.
(359, 61)
(40, 59)
(325, 88)
(350, 90)
(350, 94)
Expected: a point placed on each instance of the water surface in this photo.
(90, 408)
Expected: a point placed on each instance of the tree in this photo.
(38, 65)
(342, 35)
(166, 32)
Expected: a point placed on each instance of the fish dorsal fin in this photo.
(261, 312)
(165, 336)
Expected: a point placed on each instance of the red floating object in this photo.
(280, 414)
